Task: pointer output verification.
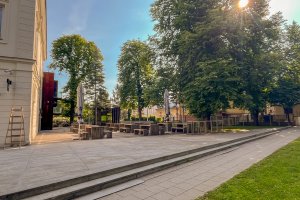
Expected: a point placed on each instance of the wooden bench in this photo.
(144, 132)
(125, 130)
(100, 133)
(108, 134)
(84, 135)
(113, 128)
(178, 129)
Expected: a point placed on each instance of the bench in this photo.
(113, 128)
(108, 134)
(178, 129)
(144, 132)
(125, 130)
(84, 135)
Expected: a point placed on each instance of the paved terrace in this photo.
(48, 163)
(193, 179)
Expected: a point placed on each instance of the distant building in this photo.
(23, 49)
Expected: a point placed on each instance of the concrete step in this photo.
(84, 185)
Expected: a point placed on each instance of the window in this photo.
(1, 20)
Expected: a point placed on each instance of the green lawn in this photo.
(276, 177)
(244, 128)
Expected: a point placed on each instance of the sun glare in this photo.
(243, 3)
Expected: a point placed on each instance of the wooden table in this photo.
(127, 128)
(145, 126)
(95, 131)
(166, 126)
(182, 127)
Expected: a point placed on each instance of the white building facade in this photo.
(23, 50)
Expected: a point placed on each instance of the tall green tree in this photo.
(77, 57)
(223, 52)
(192, 32)
(96, 94)
(286, 90)
(135, 75)
(255, 47)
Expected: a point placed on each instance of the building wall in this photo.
(40, 55)
(22, 52)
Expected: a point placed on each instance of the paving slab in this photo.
(38, 165)
(194, 179)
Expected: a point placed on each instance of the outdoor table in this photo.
(109, 124)
(128, 128)
(95, 131)
(145, 126)
(179, 127)
(197, 127)
(127, 125)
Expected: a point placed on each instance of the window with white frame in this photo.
(1, 20)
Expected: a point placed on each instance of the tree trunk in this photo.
(140, 114)
(72, 110)
(177, 115)
(288, 117)
(255, 117)
(129, 114)
(287, 112)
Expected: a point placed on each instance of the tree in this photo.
(192, 32)
(77, 57)
(255, 48)
(116, 95)
(64, 104)
(286, 90)
(223, 52)
(96, 94)
(135, 74)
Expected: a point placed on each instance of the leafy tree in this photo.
(135, 75)
(116, 96)
(166, 75)
(286, 90)
(255, 47)
(96, 94)
(223, 52)
(197, 42)
(77, 57)
(64, 104)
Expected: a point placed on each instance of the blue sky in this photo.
(110, 23)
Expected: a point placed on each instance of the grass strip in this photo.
(276, 177)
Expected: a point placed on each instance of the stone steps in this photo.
(84, 185)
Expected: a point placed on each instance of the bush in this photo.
(151, 118)
(61, 122)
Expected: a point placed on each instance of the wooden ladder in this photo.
(15, 135)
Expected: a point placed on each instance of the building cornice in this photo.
(15, 59)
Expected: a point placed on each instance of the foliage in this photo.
(286, 90)
(222, 52)
(96, 94)
(150, 118)
(276, 177)
(78, 58)
(59, 121)
(136, 73)
(116, 96)
(255, 47)
(166, 76)
(196, 43)
(87, 113)
(64, 104)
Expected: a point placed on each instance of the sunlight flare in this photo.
(243, 3)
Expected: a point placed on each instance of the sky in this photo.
(110, 23)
